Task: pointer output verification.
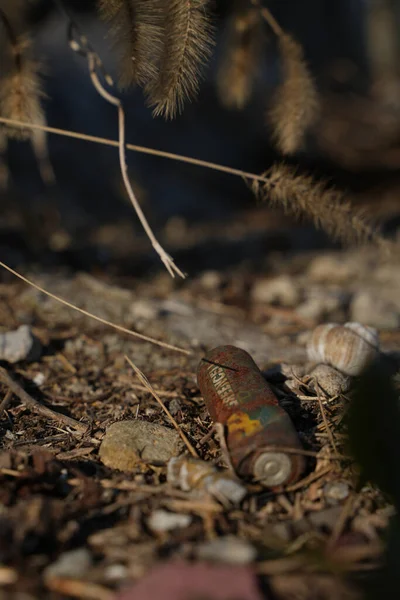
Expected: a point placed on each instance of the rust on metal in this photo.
(237, 395)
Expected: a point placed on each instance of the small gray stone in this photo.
(281, 290)
(325, 518)
(20, 344)
(128, 442)
(228, 549)
(371, 309)
(336, 491)
(320, 303)
(330, 380)
(330, 268)
(162, 520)
(210, 280)
(70, 565)
(174, 406)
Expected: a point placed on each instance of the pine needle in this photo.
(187, 46)
(241, 57)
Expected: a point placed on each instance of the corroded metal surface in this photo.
(237, 395)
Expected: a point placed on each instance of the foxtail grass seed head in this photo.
(299, 195)
(136, 28)
(187, 47)
(295, 106)
(241, 57)
(20, 86)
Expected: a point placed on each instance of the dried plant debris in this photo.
(163, 46)
(295, 106)
(241, 56)
(300, 195)
(136, 28)
(101, 530)
(20, 86)
(186, 48)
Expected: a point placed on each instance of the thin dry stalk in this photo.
(309, 479)
(152, 391)
(167, 260)
(136, 334)
(311, 198)
(187, 46)
(137, 33)
(325, 420)
(241, 57)
(135, 148)
(81, 45)
(84, 590)
(5, 402)
(33, 404)
(341, 521)
(220, 432)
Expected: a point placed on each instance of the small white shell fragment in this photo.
(349, 348)
(19, 344)
(162, 520)
(189, 474)
(228, 549)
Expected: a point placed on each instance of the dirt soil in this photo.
(317, 538)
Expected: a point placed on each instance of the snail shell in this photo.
(349, 347)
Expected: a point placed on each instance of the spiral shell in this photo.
(349, 347)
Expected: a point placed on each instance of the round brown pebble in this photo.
(126, 443)
(330, 380)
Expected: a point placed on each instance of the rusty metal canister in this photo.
(237, 395)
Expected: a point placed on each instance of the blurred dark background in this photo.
(205, 219)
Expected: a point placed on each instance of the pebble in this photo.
(174, 407)
(371, 309)
(279, 290)
(227, 549)
(126, 443)
(19, 344)
(211, 280)
(336, 491)
(330, 380)
(329, 268)
(162, 520)
(320, 303)
(326, 518)
(70, 565)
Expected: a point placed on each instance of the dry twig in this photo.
(40, 408)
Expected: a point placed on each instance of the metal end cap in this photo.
(272, 468)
